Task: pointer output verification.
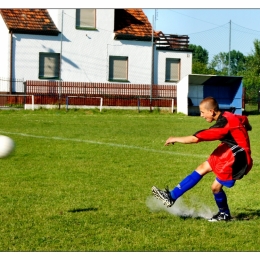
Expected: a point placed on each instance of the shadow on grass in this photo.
(80, 210)
(252, 112)
(248, 215)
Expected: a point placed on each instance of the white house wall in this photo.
(26, 53)
(186, 64)
(55, 13)
(85, 53)
(139, 67)
(4, 54)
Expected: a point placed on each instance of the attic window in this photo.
(86, 18)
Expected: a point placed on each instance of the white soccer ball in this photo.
(6, 146)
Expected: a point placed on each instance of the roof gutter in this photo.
(124, 36)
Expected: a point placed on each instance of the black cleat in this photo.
(220, 216)
(164, 196)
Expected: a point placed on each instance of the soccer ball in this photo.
(6, 146)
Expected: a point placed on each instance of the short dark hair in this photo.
(210, 103)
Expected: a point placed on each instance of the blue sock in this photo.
(186, 184)
(221, 200)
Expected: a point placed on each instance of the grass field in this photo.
(80, 181)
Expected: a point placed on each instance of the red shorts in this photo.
(228, 164)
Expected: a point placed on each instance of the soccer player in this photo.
(230, 161)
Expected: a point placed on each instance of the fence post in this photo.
(24, 87)
(67, 103)
(101, 104)
(32, 102)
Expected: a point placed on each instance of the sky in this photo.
(214, 29)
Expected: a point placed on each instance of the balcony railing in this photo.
(172, 41)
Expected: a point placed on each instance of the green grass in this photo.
(80, 181)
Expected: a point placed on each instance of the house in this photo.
(88, 45)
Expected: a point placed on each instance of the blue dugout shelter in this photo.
(227, 90)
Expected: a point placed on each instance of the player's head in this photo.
(209, 109)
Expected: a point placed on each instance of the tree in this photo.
(221, 64)
(201, 68)
(199, 54)
(237, 62)
(200, 58)
(251, 74)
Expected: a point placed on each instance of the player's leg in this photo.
(221, 199)
(191, 180)
(169, 197)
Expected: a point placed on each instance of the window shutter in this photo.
(49, 65)
(85, 17)
(172, 69)
(118, 68)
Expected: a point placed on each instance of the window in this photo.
(49, 65)
(172, 70)
(118, 66)
(85, 18)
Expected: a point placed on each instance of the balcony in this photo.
(171, 41)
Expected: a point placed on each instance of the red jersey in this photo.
(231, 160)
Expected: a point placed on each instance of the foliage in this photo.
(199, 54)
(251, 76)
(234, 63)
(80, 181)
(202, 68)
(200, 58)
(231, 63)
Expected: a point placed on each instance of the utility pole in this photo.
(155, 19)
(229, 48)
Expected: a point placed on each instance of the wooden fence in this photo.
(124, 94)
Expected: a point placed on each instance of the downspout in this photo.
(61, 39)
(60, 76)
(151, 86)
(11, 63)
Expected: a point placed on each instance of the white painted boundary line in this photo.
(108, 144)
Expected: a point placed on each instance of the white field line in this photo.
(108, 144)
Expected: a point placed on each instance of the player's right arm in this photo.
(184, 140)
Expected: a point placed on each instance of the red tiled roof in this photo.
(132, 23)
(128, 24)
(32, 21)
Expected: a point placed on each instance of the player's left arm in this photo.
(211, 134)
(215, 132)
(184, 140)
